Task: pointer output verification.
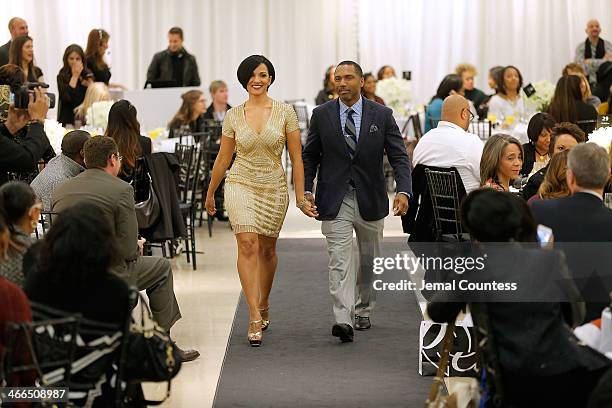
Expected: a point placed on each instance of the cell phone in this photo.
(529, 90)
(407, 75)
(544, 234)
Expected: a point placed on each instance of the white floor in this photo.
(208, 299)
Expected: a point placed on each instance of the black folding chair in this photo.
(188, 207)
(445, 199)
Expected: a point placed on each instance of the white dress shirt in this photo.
(450, 146)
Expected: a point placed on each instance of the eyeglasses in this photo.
(472, 116)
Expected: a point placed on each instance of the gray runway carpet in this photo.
(301, 364)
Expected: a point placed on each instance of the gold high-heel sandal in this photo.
(265, 318)
(255, 333)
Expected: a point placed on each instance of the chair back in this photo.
(443, 189)
(481, 128)
(186, 159)
(416, 125)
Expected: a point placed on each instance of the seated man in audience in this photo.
(594, 51)
(17, 27)
(100, 185)
(218, 106)
(174, 64)
(450, 145)
(581, 217)
(70, 163)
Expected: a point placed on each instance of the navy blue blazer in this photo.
(327, 152)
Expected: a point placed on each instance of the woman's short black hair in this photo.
(537, 123)
(451, 82)
(247, 67)
(495, 216)
(16, 199)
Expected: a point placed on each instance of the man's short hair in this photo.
(97, 150)
(176, 30)
(461, 68)
(73, 142)
(354, 64)
(590, 164)
(216, 85)
(12, 22)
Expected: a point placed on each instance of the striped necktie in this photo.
(351, 132)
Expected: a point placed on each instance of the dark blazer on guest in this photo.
(528, 158)
(582, 218)
(586, 112)
(210, 112)
(113, 196)
(326, 151)
(4, 53)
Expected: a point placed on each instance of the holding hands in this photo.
(307, 205)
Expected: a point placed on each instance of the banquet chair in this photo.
(45, 221)
(209, 153)
(190, 159)
(481, 128)
(64, 349)
(444, 190)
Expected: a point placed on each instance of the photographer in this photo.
(23, 141)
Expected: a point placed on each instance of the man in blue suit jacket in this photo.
(346, 144)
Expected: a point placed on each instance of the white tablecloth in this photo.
(519, 131)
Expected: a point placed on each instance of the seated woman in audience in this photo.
(386, 71)
(96, 92)
(71, 267)
(124, 128)
(467, 72)
(369, 88)
(190, 114)
(495, 78)
(585, 87)
(535, 151)
(507, 101)
(567, 105)
(564, 136)
(329, 91)
(219, 106)
(555, 182)
(21, 54)
(72, 82)
(534, 355)
(21, 210)
(501, 162)
(450, 85)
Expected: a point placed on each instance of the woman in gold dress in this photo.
(256, 194)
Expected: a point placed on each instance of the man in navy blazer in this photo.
(346, 144)
(583, 218)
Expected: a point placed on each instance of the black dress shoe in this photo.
(221, 217)
(362, 323)
(344, 331)
(187, 355)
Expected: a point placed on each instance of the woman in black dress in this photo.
(72, 82)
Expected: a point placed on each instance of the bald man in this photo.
(594, 51)
(17, 26)
(450, 145)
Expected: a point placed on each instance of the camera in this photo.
(20, 94)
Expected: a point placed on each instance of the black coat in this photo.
(163, 168)
(582, 218)
(325, 156)
(23, 155)
(4, 53)
(160, 68)
(529, 153)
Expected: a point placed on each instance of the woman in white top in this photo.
(508, 101)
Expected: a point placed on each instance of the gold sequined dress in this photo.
(256, 197)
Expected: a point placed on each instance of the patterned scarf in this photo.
(600, 51)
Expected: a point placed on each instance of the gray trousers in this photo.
(350, 280)
(154, 274)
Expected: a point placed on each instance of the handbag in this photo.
(465, 396)
(152, 356)
(146, 201)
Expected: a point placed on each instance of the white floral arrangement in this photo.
(55, 133)
(397, 94)
(538, 102)
(97, 114)
(602, 137)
